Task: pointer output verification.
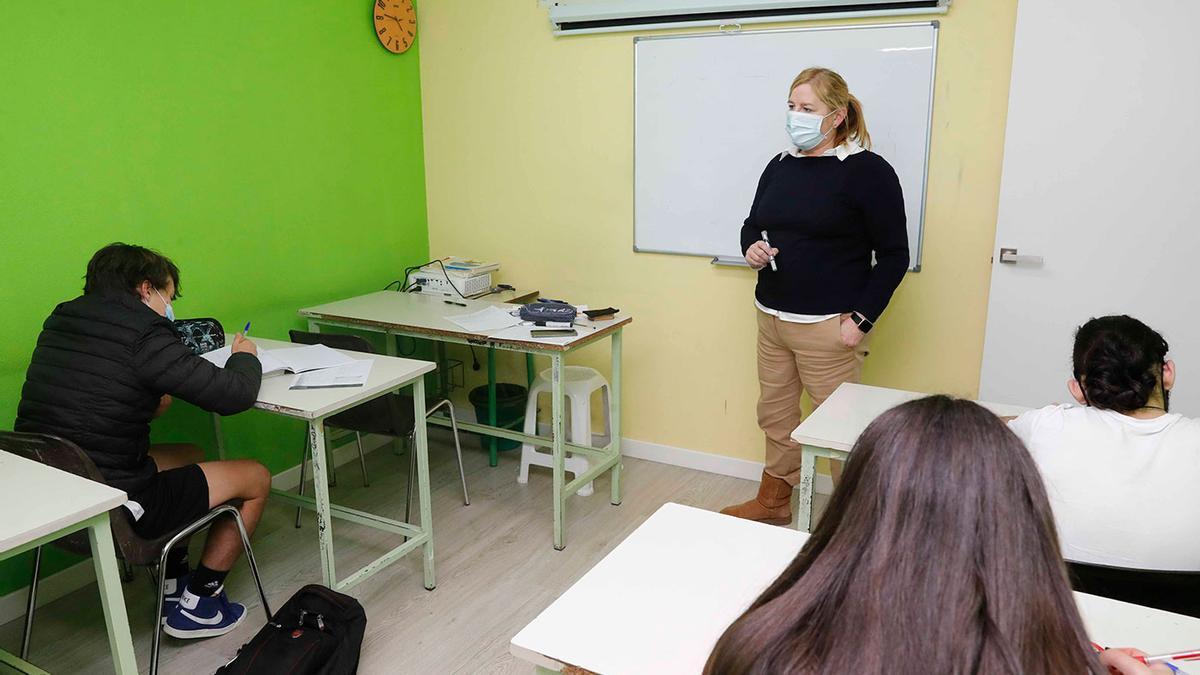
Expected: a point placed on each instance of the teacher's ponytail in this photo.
(855, 124)
(831, 88)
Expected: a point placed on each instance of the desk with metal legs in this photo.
(388, 374)
(424, 316)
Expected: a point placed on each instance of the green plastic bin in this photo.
(510, 411)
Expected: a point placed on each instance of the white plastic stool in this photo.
(579, 382)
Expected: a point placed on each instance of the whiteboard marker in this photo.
(768, 242)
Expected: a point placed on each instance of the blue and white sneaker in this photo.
(197, 617)
(172, 590)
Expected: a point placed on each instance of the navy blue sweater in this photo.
(827, 216)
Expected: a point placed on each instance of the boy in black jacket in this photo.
(105, 365)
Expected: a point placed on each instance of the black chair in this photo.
(131, 548)
(1177, 592)
(390, 415)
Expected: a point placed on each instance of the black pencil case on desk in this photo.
(200, 335)
(542, 311)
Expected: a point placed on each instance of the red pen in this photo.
(1190, 655)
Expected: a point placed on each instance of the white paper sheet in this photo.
(485, 320)
(353, 374)
(291, 359)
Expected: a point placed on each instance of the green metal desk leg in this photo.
(808, 471)
(421, 447)
(557, 433)
(391, 345)
(108, 577)
(316, 451)
(530, 371)
(443, 373)
(615, 417)
(493, 451)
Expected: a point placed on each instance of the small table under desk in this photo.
(660, 600)
(388, 374)
(424, 316)
(40, 504)
(831, 430)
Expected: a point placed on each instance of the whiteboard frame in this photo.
(737, 31)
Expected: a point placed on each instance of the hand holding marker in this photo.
(768, 243)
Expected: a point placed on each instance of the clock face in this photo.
(395, 24)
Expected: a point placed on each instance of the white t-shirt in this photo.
(1125, 492)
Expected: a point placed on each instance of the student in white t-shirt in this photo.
(1122, 474)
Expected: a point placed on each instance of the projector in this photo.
(437, 282)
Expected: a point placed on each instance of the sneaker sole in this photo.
(203, 632)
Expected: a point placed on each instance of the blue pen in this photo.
(246, 330)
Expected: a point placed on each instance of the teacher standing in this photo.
(828, 205)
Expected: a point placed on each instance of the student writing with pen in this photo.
(823, 209)
(107, 364)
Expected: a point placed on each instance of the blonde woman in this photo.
(828, 205)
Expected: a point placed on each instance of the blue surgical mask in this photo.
(170, 311)
(805, 129)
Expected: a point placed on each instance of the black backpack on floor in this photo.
(316, 632)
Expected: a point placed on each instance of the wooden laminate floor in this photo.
(496, 567)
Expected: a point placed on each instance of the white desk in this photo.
(660, 600)
(40, 504)
(831, 430)
(388, 374)
(425, 316)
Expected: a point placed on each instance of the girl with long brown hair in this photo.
(937, 554)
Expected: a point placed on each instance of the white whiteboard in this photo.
(709, 114)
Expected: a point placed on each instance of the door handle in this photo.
(1009, 256)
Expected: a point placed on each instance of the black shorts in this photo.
(171, 500)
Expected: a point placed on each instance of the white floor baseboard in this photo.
(703, 461)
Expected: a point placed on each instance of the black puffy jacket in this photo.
(102, 363)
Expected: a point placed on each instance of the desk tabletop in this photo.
(843, 416)
(660, 600)
(37, 500)
(426, 314)
(387, 373)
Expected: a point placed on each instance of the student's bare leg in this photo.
(243, 479)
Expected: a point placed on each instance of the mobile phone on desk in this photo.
(552, 332)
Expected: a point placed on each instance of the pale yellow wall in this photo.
(529, 161)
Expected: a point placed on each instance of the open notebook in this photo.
(287, 360)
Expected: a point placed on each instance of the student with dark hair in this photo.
(1121, 471)
(936, 554)
(105, 365)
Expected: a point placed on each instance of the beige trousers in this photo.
(792, 358)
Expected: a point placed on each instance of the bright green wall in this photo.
(271, 148)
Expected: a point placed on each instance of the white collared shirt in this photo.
(841, 151)
(845, 149)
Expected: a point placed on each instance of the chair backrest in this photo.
(1177, 592)
(351, 343)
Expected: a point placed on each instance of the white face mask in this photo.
(805, 129)
(170, 311)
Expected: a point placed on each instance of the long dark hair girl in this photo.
(937, 554)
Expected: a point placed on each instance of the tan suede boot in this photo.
(772, 506)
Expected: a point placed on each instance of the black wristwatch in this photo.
(864, 324)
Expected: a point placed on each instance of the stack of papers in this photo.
(310, 358)
(353, 374)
